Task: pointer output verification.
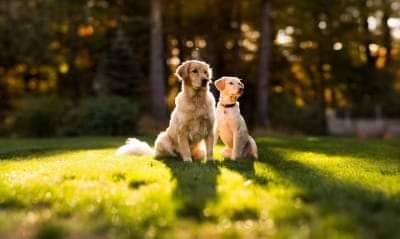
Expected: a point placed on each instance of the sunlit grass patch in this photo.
(300, 187)
(238, 198)
(83, 184)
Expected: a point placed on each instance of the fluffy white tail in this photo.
(134, 146)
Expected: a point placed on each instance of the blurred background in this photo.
(105, 67)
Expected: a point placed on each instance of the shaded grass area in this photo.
(300, 187)
(32, 148)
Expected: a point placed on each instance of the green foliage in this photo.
(39, 117)
(305, 187)
(102, 116)
(50, 230)
(286, 114)
(51, 116)
(391, 107)
(119, 71)
(70, 48)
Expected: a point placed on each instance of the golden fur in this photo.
(190, 131)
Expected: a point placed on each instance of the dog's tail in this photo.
(134, 146)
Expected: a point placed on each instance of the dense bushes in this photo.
(48, 116)
(285, 114)
(101, 116)
(39, 116)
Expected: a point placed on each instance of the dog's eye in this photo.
(205, 72)
(231, 83)
(194, 71)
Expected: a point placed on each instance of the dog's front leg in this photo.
(210, 146)
(235, 148)
(184, 148)
(215, 134)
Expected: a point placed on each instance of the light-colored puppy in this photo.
(230, 125)
(190, 131)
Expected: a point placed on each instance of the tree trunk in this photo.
(215, 43)
(236, 34)
(157, 82)
(263, 72)
(180, 31)
(371, 60)
(323, 57)
(387, 37)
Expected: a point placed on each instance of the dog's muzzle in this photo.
(204, 82)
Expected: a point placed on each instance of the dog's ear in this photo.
(220, 84)
(182, 71)
(241, 82)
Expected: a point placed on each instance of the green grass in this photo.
(300, 188)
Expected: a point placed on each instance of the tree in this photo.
(118, 72)
(157, 83)
(263, 73)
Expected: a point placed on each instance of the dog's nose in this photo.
(204, 82)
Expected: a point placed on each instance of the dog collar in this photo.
(228, 106)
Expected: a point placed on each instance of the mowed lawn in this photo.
(301, 187)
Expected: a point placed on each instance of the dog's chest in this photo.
(196, 118)
(227, 124)
(199, 129)
(200, 125)
(227, 117)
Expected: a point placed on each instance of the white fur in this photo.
(230, 125)
(134, 146)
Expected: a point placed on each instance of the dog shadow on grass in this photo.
(246, 168)
(371, 213)
(196, 185)
(197, 182)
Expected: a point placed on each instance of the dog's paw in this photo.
(226, 153)
(187, 160)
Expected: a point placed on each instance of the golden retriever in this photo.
(190, 131)
(230, 125)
